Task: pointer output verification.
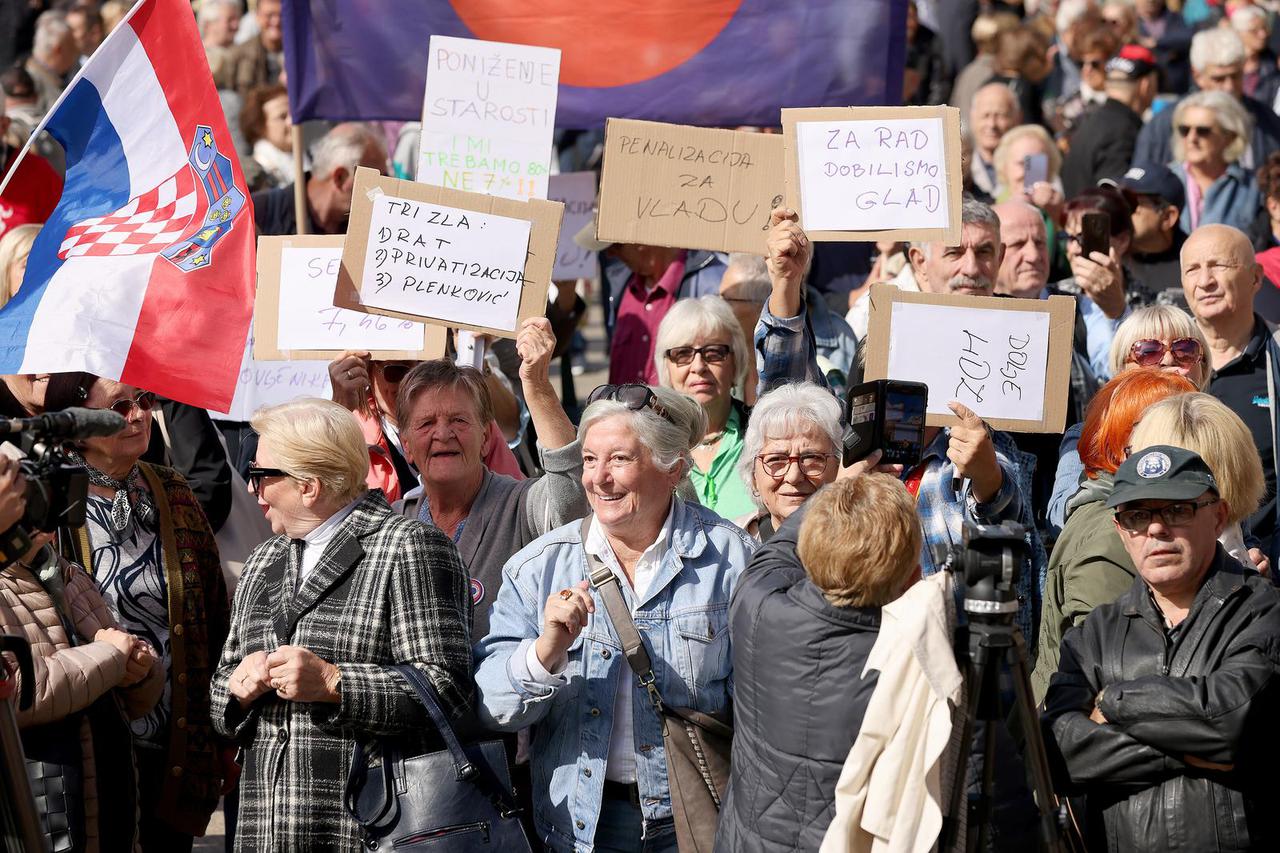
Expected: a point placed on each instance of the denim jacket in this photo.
(683, 619)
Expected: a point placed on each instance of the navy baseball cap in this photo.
(1162, 472)
(1155, 180)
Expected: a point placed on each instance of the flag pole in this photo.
(299, 185)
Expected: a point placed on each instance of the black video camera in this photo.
(989, 559)
(57, 488)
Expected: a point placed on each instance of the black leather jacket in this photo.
(1207, 690)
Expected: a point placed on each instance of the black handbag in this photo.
(456, 800)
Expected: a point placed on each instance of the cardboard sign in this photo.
(577, 192)
(874, 173)
(295, 318)
(690, 187)
(269, 382)
(487, 117)
(408, 248)
(1009, 360)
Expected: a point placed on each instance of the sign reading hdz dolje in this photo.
(1009, 360)
(690, 187)
(874, 173)
(446, 257)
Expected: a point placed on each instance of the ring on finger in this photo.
(566, 594)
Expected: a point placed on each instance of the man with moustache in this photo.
(1161, 710)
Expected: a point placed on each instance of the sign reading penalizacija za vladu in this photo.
(445, 257)
(874, 173)
(488, 116)
(1009, 360)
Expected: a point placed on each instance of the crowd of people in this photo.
(686, 550)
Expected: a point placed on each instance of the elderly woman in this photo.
(1210, 132)
(147, 543)
(552, 659)
(792, 449)
(15, 247)
(345, 589)
(701, 352)
(488, 515)
(1028, 140)
(1089, 565)
(1204, 425)
(84, 678)
(268, 130)
(1160, 336)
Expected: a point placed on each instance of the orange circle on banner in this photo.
(615, 43)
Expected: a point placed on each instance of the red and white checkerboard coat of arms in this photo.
(182, 218)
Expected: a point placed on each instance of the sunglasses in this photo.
(1197, 129)
(145, 401)
(1150, 352)
(812, 465)
(393, 373)
(255, 475)
(1094, 63)
(711, 354)
(635, 397)
(1173, 515)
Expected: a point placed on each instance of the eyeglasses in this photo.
(1149, 352)
(1094, 63)
(812, 465)
(711, 354)
(255, 475)
(1172, 515)
(393, 373)
(635, 397)
(145, 401)
(1197, 129)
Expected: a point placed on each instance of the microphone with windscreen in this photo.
(67, 425)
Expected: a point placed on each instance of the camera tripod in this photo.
(992, 640)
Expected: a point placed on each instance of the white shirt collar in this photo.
(598, 545)
(324, 532)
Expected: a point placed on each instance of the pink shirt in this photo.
(636, 327)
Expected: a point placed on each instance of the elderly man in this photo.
(329, 184)
(1156, 196)
(1220, 279)
(1162, 708)
(53, 55)
(258, 61)
(1102, 144)
(86, 25)
(1217, 64)
(994, 110)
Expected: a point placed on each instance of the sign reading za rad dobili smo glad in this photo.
(446, 257)
(1009, 360)
(874, 173)
(689, 187)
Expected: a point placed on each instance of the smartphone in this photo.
(885, 415)
(1035, 169)
(1095, 234)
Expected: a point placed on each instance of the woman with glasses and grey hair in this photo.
(553, 660)
(792, 449)
(1210, 133)
(702, 352)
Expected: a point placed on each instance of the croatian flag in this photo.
(144, 273)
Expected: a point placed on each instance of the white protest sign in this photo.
(449, 264)
(487, 117)
(873, 172)
(992, 361)
(1009, 360)
(309, 320)
(267, 383)
(577, 192)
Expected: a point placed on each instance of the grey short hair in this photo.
(754, 281)
(691, 318)
(1228, 113)
(1070, 11)
(51, 29)
(1216, 46)
(208, 11)
(343, 148)
(785, 411)
(1241, 18)
(670, 439)
(972, 212)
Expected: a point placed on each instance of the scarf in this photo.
(131, 499)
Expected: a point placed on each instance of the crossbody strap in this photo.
(605, 583)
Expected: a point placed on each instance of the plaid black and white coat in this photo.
(387, 590)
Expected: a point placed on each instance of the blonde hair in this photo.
(1227, 114)
(852, 568)
(314, 438)
(15, 246)
(1000, 156)
(1161, 322)
(1204, 425)
(706, 317)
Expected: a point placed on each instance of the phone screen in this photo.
(1035, 169)
(904, 422)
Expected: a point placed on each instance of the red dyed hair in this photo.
(1119, 405)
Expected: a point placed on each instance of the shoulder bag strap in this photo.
(605, 583)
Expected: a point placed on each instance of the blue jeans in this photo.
(621, 827)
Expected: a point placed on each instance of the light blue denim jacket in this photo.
(684, 621)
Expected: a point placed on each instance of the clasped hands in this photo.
(291, 672)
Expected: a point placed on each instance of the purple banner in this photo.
(712, 63)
